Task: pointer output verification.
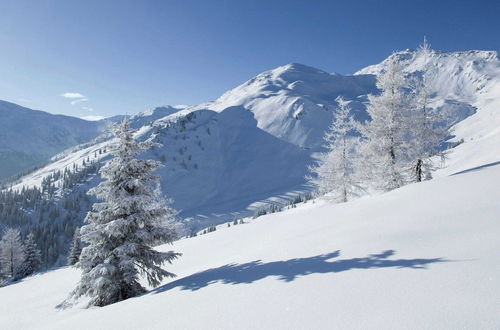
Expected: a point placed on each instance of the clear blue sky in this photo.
(128, 56)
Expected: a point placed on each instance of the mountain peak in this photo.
(293, 70)
(294, 66)
(161, 111)
(151, 115)
(465, 72)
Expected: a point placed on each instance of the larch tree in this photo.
(427, 125)
(11, 254)
(76, 248)
(121, 230)
(335, 173)
(386, 133)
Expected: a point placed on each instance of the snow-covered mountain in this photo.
(29, 138)
(467, 85)
(459, 80)
(398, 263)
(459, 75)
(217, 163)
(379, 262)
(295, 102)
(149, 116)
(254, 143)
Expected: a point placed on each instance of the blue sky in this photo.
(128, 56)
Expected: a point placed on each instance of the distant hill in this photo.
(29, 137)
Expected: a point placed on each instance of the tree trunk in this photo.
(418, 170)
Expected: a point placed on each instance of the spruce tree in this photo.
(335, 171)
(121, 230)
(12, 254)
(387, 132)
(76, 248)
(32, 256)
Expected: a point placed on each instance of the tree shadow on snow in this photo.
(289, 270)
(477, 168)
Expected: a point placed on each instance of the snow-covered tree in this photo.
(121, 230)
(32, 256)
(335, 172)
(387, 132)
(427, 128)
(11, 254)
(76, 248)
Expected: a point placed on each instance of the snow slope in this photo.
(295, 102)
(224, 162)
(217, 163)
(30, 137)
(421, 257)
(467, 83)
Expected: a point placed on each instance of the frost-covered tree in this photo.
(427, 125)
(335, 172)
(11, 254)
(387, 132)
(76, 248)
(32, 256)
(121, 230)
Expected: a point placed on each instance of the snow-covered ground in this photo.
(480, 134)
(425, 256)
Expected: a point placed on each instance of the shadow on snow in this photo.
(289, 270)
(477, 168)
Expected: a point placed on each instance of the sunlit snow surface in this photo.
(421, 257)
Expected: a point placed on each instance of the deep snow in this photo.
(421, 257)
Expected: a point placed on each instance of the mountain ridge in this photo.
(281, 105)
(30, 137)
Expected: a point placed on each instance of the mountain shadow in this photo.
(289, 270)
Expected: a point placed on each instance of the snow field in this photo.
(423, 256)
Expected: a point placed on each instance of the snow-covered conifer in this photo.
(427, 128)
(387, 132)
(11, 254)
(122, 229)
(76, 248)
(32, 256)
(335, 172)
